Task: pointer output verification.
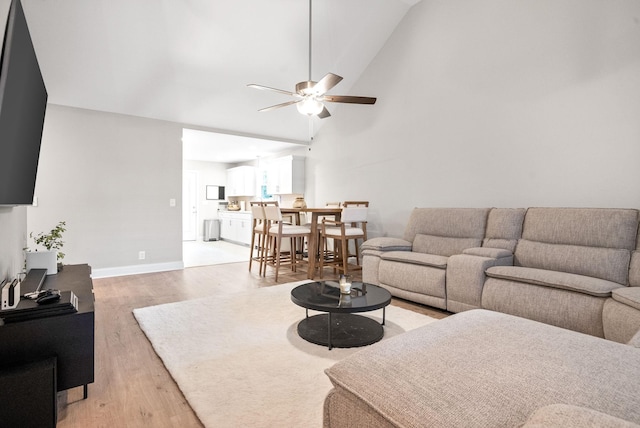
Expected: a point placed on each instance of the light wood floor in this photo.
(132, 387)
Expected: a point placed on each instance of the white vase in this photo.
(43, 260)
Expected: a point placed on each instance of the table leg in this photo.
(329, 330)
(313, 246)
(384, 310)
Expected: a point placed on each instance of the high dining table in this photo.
(313, 239)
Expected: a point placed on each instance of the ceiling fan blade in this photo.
(326, 83)
(349, 99)
(324, 113)
(266, 88)
(288, 103)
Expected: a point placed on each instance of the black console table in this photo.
(69, 338)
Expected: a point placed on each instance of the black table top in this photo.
(325, 296)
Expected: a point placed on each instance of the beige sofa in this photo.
(576, 268)
(482, 368)
(549, 275)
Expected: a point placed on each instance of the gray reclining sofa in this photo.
(576, 268)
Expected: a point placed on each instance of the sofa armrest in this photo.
(466, 276)
(385, 243)
(372, 249)
(493, 253)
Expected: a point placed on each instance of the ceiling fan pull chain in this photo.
(310, 9)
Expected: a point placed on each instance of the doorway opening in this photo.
(202, 180)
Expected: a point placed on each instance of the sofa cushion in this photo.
(505, 223)
(605, 263)
(486, 369)
(416, 258)
(504, 228)
(421, 283)
(443, 246)
(384, 243)
(592, 227)
(451, 222)
(562, 280)
(630, 296)
(554, 306)
(565, 416)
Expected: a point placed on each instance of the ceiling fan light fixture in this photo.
(310, 106)
(305, 88)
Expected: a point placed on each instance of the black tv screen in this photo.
(23, 102)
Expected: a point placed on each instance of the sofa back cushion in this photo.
(504, 228)
(585, 241)
(604, 263)
(442, 245)
(590, 227)
(447, 222)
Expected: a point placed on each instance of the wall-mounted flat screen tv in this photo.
(23, 102)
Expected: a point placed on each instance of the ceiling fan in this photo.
(309, 96)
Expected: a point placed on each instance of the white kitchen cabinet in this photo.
(285, 175)
(235, 226)
(241, 181)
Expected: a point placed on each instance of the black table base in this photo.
(346, 331)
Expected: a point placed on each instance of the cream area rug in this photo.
(239, 361)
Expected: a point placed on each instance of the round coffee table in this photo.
(338, 326)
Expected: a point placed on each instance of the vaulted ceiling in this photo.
(189, 61)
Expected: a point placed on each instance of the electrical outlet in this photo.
(141, 255)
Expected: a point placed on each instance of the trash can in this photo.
(211, 230)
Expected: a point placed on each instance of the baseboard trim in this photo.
(136, 269)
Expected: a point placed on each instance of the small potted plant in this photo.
(51, 259)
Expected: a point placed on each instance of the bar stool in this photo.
(326, 251)
(259, 231)
(362, 225)
(277, 230)
(343, 231)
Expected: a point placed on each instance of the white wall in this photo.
(480, 103)
(111, 178)
(491, 103)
